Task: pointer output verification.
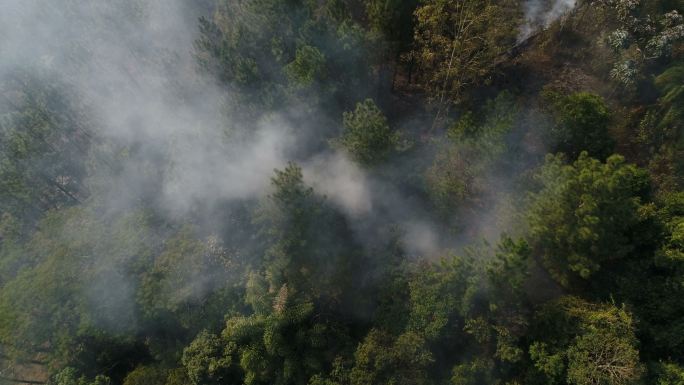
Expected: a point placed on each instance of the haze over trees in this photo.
(337, 192)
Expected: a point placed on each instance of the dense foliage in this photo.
(466, 201)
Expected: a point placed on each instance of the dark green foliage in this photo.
(146, 375)
(287, 346)
(260, 48)
(393, 19)
(472, 373)
(660, 130)
(69, 376)
(581, 124)
(432, 314)
(367, 135)
(660, 325)
(309, 243)
(672, 100)
(456, 45)
(106, 279)
(583, 343)
(384, 359)
(669, 374)
(209, 360)
(307, 66)
(588, 214)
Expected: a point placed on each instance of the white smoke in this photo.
(542, 13)
(132, 64)
(342, 181)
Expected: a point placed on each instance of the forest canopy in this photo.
(342, 192)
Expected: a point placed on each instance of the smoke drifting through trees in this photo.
(132, 65)
(541, 13)
(239, 192)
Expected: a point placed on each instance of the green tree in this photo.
(671, 102)
(193, 281)
(367, 135)
(497, 322)
(393, 19)
(309, 244)
(655, 301)
(660, 130)
(81, 308)
(457, 181)
(210, 360)
(289, 345)
(69, 376)
(146, 375)
(457, 45)
(668, 373)
(433, 314)
(307, 66)
(294, 334)
(475, 372)
(581, 125)
(581, 343)
(263, 49)
(391, 25)
(644, 33)
(384, 359)
(588, 214)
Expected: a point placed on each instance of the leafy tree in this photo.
(507, 274)
(288, 214)
(310, 245)
(645, 31)
(497, 322)
(293, 335)
(177, 376)
(391, 25)
(286, 346)
(146, 375)
(384, 359)
(577, 342)
(433, 314)
(588, 214)
(209, 360)
(260, 48)
(66, 280)
(307, 66)
(669, 373)
(393, 19)
(660, 130)
(671, 101)
(475, 372)
(581, 125)
(457, 45)
(655, 301)
(460, 313)
(458, 178)
(193, 281)
(367, 135)
(69, 376)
